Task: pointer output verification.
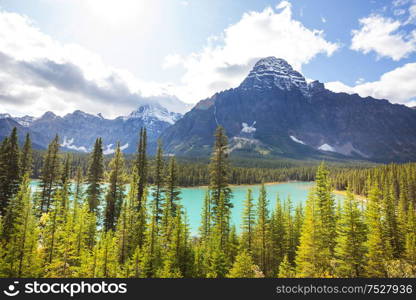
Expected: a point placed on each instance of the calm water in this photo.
(192, 199)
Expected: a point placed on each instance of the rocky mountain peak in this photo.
(273, 72)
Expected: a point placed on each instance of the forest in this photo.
(83, 221)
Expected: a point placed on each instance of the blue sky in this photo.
(108, 55)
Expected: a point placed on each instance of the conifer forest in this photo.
(92, 217)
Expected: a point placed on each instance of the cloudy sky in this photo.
(110, 55)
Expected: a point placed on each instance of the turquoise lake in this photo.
(192, 199)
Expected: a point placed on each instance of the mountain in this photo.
(276, 113)
(78, 130)
(6, 126)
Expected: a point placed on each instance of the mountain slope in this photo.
(78, 130)
(274, 112)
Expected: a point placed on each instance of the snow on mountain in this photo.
(149, 113)
(109, 149)
(296, 140)
(69, 143)
(272, 71)
(5, 116)
(326, 147)
(248, 129)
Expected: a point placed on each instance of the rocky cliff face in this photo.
(274, 112)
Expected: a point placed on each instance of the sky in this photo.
(109, 56)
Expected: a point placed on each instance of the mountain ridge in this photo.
(280, 104)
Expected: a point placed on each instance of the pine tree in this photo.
(279, 234)
(50, 175)
(219, 170)
(157, 201)
(116, 191)
(205, 229)
(78, 194)
(137, 220)
(351, 235)
(410, 236)
(262, 244)
(95, 176)
(21, 258)
(326, 211)
(10, 172)
(26, 157)
(249, 221)
(141, 168)
(391, 222)
(51, 223)
(171, 189)
(307, 255)
(378, 250)
(243, 266)
(286, 269)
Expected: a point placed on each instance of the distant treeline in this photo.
(194, 171)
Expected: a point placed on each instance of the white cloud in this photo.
(397, 86)
(382, 36)
(323, 20)
(37, 74)
(227, 58)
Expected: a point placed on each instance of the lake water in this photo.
(193, 198)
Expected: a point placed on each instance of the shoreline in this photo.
(344, 193)
(245, 184)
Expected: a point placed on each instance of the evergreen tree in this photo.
(50, 175)
(326, 211)
(243, 266)
(171, 189)
(116, 191)
(262, 244)
(21, 258)
(26, 157)
(141, 167)
(350, 249)
(219, 170)
(410, 236)
(10, 172)
(307, 255)
(249, 221)
(95, 176)
(378, 250)
(286, 269)
(279, 234)
(205, 229)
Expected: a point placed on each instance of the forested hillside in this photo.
(94, 227)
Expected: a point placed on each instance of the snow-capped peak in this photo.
(149, 113)
(271, 71)
(5, 116)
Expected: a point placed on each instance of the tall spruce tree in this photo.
(308, 256)
(206, 217)
(95, 176)
(10, 172)
(50, 175)
(350, 243)
(116, 191)
(249, 221)
(262, 244)
(26, 157)
(219, 189)
(141, 167)
(379, 250)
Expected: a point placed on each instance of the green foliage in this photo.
(95, 176)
